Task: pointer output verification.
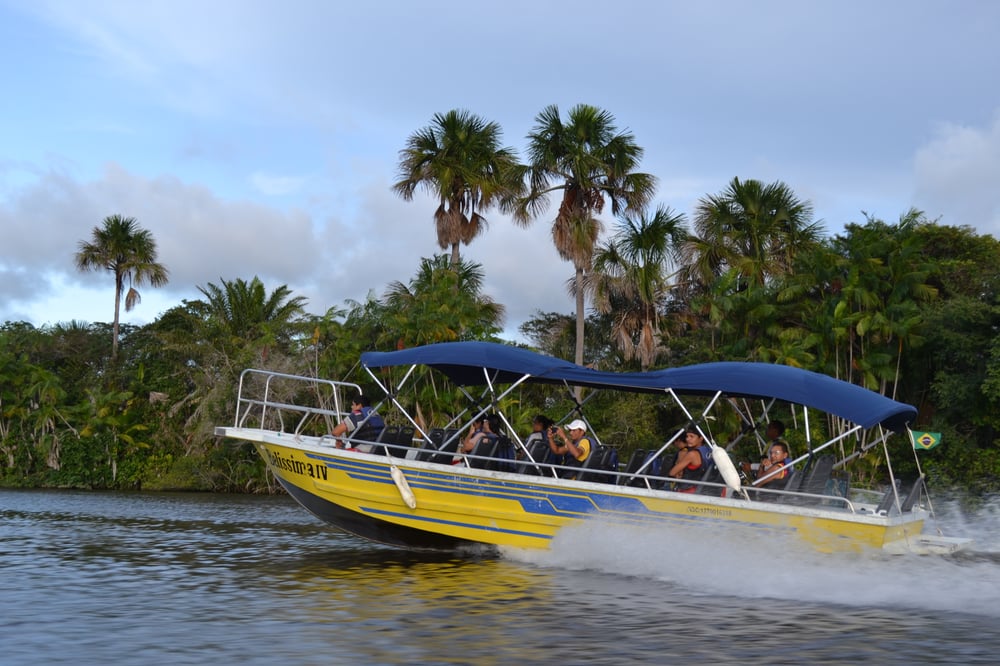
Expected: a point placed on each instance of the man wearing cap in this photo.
(575, 447)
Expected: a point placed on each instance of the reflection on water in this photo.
(179, 578)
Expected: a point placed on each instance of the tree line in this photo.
(907, 308)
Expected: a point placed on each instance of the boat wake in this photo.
(737, 562)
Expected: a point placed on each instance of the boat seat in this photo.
(819, 474)
(812, 480)
(503, 455)
(538, 451)
(438, 448)
(387, 435)
(711, 475)
(635, 461)
(602, 459)
(888, 506)
(789, 483)
(434, 439)
(911, 497)
(484, 449)
(794, 480)
(399, 441)
(887, 502)
(665, 481)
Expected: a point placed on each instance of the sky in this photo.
(262, 138)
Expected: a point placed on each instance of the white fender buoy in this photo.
(404, 487)
(726, 468)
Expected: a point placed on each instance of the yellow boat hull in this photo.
(439, 506)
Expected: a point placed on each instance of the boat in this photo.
(412, 487)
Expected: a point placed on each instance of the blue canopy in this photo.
(470, 363)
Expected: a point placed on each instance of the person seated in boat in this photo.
(362, 423)
(773, 472)
(775, 435)
(542, 430)
(483, 427)
(691, 461)
(574, 447)
(539, 429)
(776, 431)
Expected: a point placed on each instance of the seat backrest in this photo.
(888, 500)
(538, 451)
(819, 474)
(635, 461)
(404, 436)
(386, 436)
(400, 439)
(435, 437)
(447, 452)
(794, 480)
(485, 448)
(601, 459)
(503, 455)
(711, 475)
(912, 496)
(438, 448)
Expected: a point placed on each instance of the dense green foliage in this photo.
(909, 309)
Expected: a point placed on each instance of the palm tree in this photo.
(752, 229)
(243, 311)
(591, 162)
(442, 303)
(122, 248)
(631, 279)
(886, 286)
(459, 160)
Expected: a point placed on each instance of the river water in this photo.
(162, 578)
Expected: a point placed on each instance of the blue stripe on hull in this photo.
(534, 499)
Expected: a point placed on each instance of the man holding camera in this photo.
(575, 447)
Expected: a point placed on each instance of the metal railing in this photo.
(260, 399)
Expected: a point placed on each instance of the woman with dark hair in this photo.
(539, 429)
(775, 469)
(542, 429)
(691, 462)
(485, 427)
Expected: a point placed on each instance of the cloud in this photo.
(202, 237)
(261, 138)
(957, 174)
(275, 185)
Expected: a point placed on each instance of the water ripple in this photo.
(192, 579)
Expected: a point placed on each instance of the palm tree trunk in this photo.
(114, 327)
(578, 391)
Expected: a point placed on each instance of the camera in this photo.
(552, 429)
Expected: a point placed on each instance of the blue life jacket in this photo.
(370, 429)
(696, 474)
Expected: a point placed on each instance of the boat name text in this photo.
(297, 466)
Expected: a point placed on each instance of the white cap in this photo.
(577, 423)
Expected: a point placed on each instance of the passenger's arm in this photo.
(684, 458)
(471, 441)
(774, 472)
(559, 449)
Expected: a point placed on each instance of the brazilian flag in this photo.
(925, 440)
